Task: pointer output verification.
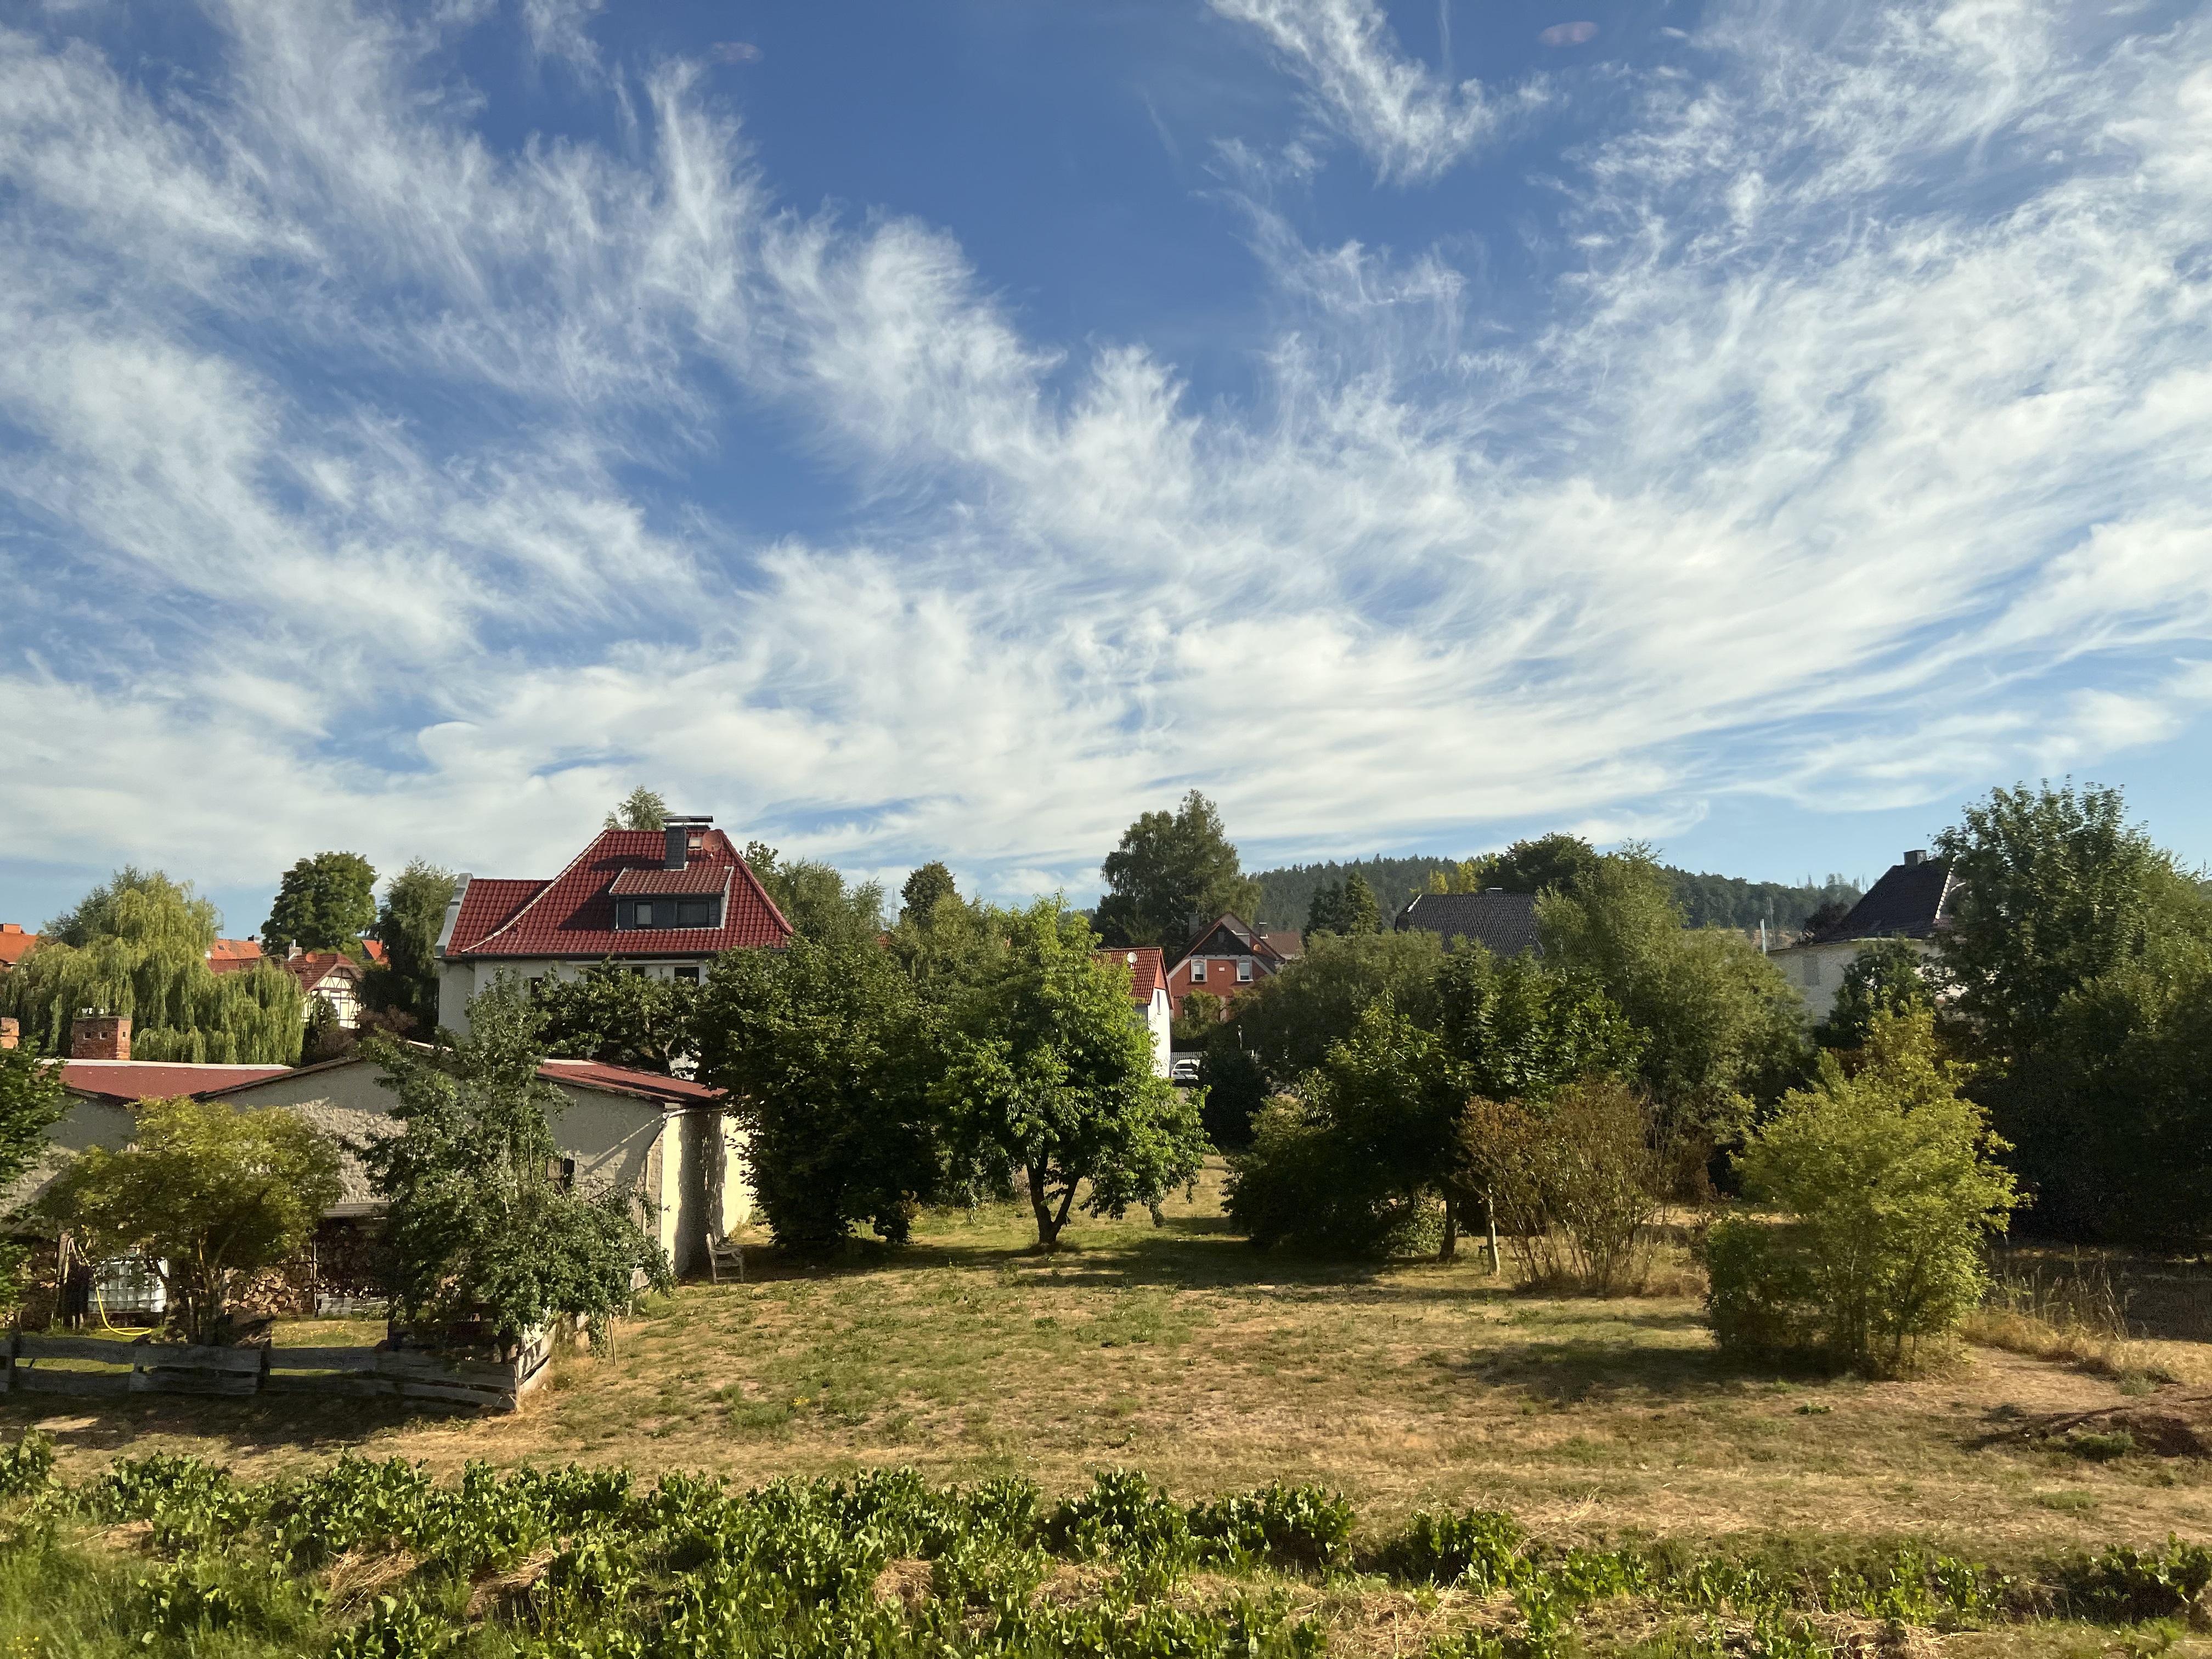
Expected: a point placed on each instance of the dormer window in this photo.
(644, 914)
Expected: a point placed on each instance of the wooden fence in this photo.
(172, 1368)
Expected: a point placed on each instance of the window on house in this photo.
(644, 912)
(689, 976)
(561, 1172)
(1198, 971)
(1244, 972)
(694, 913)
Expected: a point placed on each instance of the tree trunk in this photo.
(1450, 1251)
(1490, 1221)
(1041, 1205)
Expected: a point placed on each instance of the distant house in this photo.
(1504, 923)
(1228, 957)
(663, 903)
(1148, 995)
(1911, 901)
(331, 974)
(14, 943)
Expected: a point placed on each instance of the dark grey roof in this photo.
(1909, 900)
(1506, 922)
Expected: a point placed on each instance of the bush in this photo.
(1573, 1184)
(1294, 1185)
(1888, 1190)
(1289, 1526)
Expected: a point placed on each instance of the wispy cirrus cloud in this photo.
(1412, 122)
(1862, 446)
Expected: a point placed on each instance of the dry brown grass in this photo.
(1181, 1350)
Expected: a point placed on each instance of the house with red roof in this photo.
(664, 902)
(1148, 998)
(1227, 957)
(14, 943)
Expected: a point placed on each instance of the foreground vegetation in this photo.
(171, 1554)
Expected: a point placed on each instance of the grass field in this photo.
(1179, 1350)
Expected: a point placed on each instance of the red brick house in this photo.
(662, 902)
(1228, 957)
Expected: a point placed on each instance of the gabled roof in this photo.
(14, 942)
(1287, 944)
(573, 914)
(1505, 923)
(1147, 966)
(692, 878)
(664, 1090)
(1912, 899)
(1230, 935)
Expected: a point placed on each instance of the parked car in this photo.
(1183, 1071)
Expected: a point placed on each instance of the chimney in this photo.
(99, 1036)
(676, 855)
(1918, 855)
(11, 1033)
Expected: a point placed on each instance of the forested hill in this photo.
(1709, 901)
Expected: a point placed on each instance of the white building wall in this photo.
(1815, 972)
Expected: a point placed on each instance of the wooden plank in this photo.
(324, 1383)
(170, 1356)
(323, 1360)
(80, 1347)
(79, 1383)
(171, 1380)
(437, 1368)
(496, 1398)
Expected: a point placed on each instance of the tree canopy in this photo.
(482, 1231)
(1172, 873)
(1049, 1075)
(136, 946)
(924, 891)
(814, 898)
(1722, 1027)
(32, 1100)
(326, 902)
(1346, 906)
(209, 1194)
(408, 924)
(827, 1051)
(641, 809)
(618, 1017)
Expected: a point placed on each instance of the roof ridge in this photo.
(589, 847)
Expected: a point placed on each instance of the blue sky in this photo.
(908, 431)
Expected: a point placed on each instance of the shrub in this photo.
(1887, 1187)
(1295, 1186)
(27, 1465)
(1480, 1550)
(1289, 1526)
(1573, 1184)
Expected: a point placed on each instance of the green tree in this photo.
(1362, 914)
(32, 1100)
(208, 1195)
(619, 1017)
(482, 1228)
(1524, 1029)
(1173, 872)
(1288, 1021)
(815, 899)
(957, 951)
(1324, 915)
(1721, 1028)
(925, 889)
(1889, 1187)
(641, 809)
(1558, 861)
(323, 903)
(1884, 977)
(137, 947)
(1050, 1076)
(408, 924)
(2067, 965)
(828, 1051)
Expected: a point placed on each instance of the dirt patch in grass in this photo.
(1181, 1350)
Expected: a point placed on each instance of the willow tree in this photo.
(137, 947)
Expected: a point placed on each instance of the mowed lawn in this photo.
(1181, 1350)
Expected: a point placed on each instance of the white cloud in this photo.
(1410, 121)
(1822, 473)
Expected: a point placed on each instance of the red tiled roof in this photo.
(621, 1081)
(227, 955)
(312, 967)
(1147, 969)
(573, 914)
(121, 1081)
(14, 942)
(692, 878)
